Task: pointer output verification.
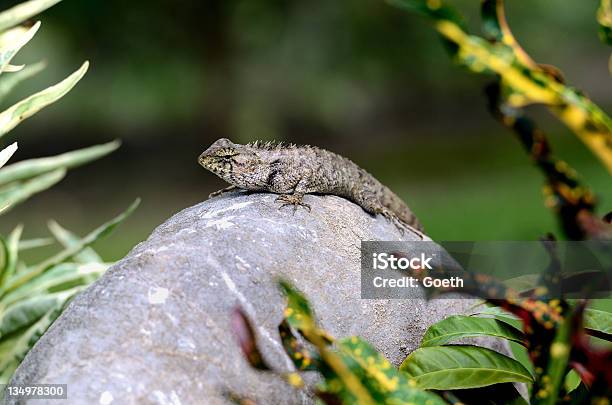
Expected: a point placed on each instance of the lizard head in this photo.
(237, 164)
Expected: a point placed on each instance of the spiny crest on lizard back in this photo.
(239, 165)
(271, 145)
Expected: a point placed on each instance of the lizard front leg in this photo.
(296, 199)
(223, 190)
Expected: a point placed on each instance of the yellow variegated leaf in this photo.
(529, 83)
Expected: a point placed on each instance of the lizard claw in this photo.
(399, 224)
(294, 200)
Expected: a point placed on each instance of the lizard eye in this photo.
(227, 153)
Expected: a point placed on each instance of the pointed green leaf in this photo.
(12, 35)
(462, 366)
(26, 312)
(13, 68)
(68, 239)
(11, 117)
(9, 82)
(8, 52)
(15, 195)
(21, 278)
(58, 278)
(461, 326)
(24, 11)
(7, 152)
(35, 243)
(572, 381)
(34, 167)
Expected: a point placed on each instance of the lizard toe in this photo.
(292, 200)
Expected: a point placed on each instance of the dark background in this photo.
(359, 77)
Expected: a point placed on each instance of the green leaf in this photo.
(501, 315)
(13, 68)
(300, 316)
(35, 243)
(462, 366)
(12, 35)
(461, 326)
(11, 117)
(34, 167)
(23, 12)
(8, 52)
(9, 82)
(58, 278)
(22, 278)
(385, 383)
(7, 153)
(14, 349)
(598, 323)
(302, 356)
(12, 250)
(15, 195)
(69, 239)
(572, 381)
(26, 312)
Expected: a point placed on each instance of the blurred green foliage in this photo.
(33, 295)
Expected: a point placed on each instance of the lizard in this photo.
(293, 171)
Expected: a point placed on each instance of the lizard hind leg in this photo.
(401, 226)
(372, 204)
(296, 200)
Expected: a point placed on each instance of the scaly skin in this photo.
(293, 171)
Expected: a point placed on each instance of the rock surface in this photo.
(154, 328)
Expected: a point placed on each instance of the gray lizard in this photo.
(293, 171)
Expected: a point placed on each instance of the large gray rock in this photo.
(155, 327)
